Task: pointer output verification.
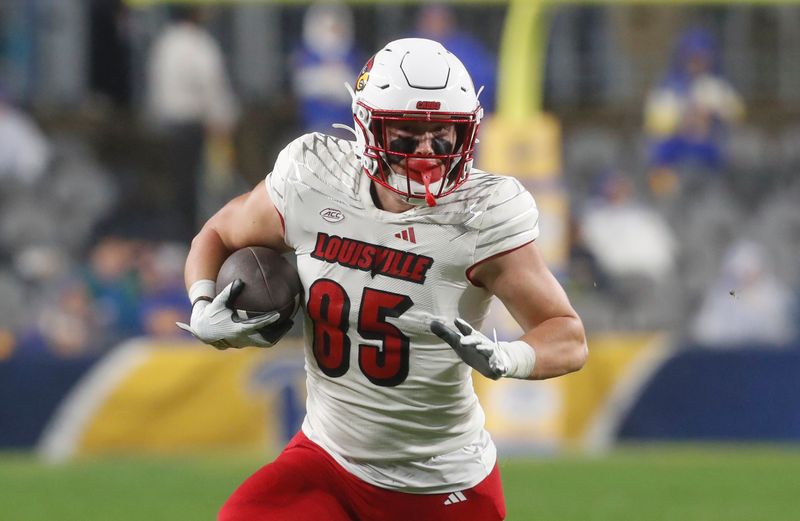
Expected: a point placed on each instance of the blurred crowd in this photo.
(685, 226)
(686, 221)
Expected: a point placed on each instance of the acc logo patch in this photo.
(332, 215)
(363, 76)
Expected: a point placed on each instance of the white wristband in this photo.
(202, 289)
(521, 358)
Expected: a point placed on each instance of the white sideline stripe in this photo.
(64, 430)
(601, 432)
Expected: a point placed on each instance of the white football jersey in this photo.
(383, 389)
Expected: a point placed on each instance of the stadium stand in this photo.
(104, 159)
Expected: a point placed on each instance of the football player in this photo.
(400, 245)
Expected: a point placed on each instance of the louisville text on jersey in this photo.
(364, 256)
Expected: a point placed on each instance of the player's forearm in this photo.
(206, 255)
(560, 345)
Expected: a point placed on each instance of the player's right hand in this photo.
(216, 323)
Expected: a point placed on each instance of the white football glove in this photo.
(217, 324)
(489, 357)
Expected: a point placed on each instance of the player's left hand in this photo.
(475, 349)
(489, 357)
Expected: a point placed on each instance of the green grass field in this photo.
(703, 483)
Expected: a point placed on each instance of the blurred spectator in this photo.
(437, 22)
(13, 305)
(125, 288)
(42, 264)
(19, 29)
(626, 237)
(687, 115)
(110, 51)
(324, 62)
(163, 292)
(54, 217)
(746, 304)
(629, 250)
(24, 150)
(190, 97)
(113, 283)
(67, 325)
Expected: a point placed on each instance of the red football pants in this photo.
(305, 484)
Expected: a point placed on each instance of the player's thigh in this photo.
(298, 486)
(309, 506)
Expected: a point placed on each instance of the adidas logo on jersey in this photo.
(455, 497)
(407, 235)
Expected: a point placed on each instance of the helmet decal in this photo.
(363, 76)
(429, 105)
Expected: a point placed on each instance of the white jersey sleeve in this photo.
(282, 185)
(509, 221)
(279, 183)
(313, 163)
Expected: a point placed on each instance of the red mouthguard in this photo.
(425, 171)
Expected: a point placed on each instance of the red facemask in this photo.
(422, 169)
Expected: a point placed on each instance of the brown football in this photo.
(271, 283)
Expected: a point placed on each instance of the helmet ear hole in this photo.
(363, 115)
